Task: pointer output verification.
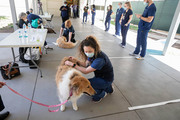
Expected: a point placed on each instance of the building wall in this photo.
(164, 14)
(52, 6)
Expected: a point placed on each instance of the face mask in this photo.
(145, 3)
(65, 4)
(25, 20)
(90, 55)
(125, 8)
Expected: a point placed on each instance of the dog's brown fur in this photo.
(62, 43)
(79, 83)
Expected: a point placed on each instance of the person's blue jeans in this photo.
(85, 15)
(100, 86)
(124, 30)
(93, 17)
(117, 27)
(141, 42)
(107, 24)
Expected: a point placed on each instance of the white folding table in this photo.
(36, 38)
(47, 17)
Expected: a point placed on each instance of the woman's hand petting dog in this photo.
(69, 63)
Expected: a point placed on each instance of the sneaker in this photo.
(97, 101)
(123, 46)
(133, 54)
(112, 90)
(115, 35)
(118, 36)
(4, 115)
(140, 58)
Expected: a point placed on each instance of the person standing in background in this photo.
(119, 13)
(93, 12)
(3, 115)
(40, 7)
(64, 12)
(108, 18)
(75, 10)
(125, 22)
(30, 10)
(145, 24)
(85, 14)
(71, 7)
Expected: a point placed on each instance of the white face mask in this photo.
(65, 4)
(145, 3)
(89, 55)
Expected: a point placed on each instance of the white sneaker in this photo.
(115, 35)
(118, 36)
(100, 99)
(123, 46)
(140, 58)
(132, 54)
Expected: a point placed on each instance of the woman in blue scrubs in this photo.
(93, 12)
(125, 22)
(108, 18)
(94, 60)
(145, 24)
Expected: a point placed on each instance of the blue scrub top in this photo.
(31, 17)
(149, 11)
(103, 66)
(108, 16)
(93, 13)
(126, 16)
(119, 13)
(67, 30)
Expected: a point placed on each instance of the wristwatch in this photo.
(74, 65)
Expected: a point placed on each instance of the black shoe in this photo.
(23, 60)
(4, 115)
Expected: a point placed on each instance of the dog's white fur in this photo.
(64, 90)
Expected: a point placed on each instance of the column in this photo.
(13, 13)
(173, 29)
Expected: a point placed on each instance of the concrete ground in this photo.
(136, 83)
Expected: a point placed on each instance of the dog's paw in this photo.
(62, 108)
(75, 108)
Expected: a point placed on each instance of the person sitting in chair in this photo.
(67, 30)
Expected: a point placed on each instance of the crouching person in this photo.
(67, 30)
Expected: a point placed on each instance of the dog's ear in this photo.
(75, 86)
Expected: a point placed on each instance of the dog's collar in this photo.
(70, 94)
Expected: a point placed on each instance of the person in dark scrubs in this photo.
(22, 50)
(95, 60)
(145, 24)
(64, 12)
(3, 115)
(85, 14)
(125, 22)
(93, 12)
(67, 30)
(119, 13)
(108, 18)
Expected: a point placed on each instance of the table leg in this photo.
(14, 58)
(34, 62)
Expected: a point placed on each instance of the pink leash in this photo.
(49, 106)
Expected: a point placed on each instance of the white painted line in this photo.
(153, 105)
(121, 57)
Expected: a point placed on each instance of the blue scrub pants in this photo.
(93, 17)
(141, 42)
(100, 86)
(107, 24)
(124, 30)
(85, 14)
(117, 27)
